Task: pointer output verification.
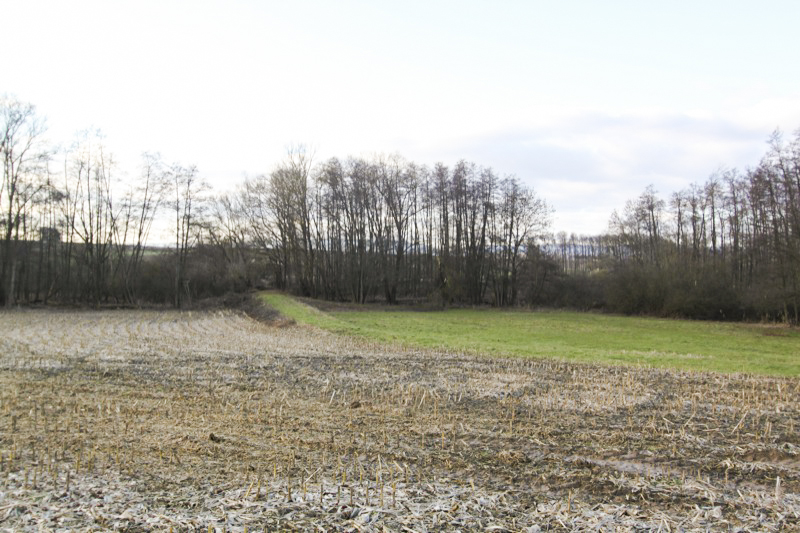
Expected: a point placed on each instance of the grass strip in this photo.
(588, 337)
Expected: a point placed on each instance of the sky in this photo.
(586, 102)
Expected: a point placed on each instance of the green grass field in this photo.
(590, 337)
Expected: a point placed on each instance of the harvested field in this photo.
(144, 420)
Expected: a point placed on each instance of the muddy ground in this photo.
(158, 421)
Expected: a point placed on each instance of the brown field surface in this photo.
(146, 420)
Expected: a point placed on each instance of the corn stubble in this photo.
(150, 420)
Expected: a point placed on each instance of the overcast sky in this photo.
(588, 102)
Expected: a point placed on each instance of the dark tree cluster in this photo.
(725, 249)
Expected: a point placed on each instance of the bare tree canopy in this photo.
(383, 228)
(24, 157)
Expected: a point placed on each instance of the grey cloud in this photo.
(582, 181)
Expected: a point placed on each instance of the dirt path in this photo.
(148, 420)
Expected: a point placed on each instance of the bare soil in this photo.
(157, 420)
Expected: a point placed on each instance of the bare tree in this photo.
(395, 187)
(137, 212)
(290, 203)
(523, 220)
(188, 191)
(24, 154)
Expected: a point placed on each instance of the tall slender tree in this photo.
(24, 154)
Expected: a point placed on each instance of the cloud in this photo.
(589, 164)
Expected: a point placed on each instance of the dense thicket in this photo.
(384, 228)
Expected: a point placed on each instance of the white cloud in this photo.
(589, 165)
(588, 102)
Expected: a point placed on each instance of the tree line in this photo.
(385, 229)
(358, 229)
(728, 248)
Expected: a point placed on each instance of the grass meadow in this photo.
(765, 349)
